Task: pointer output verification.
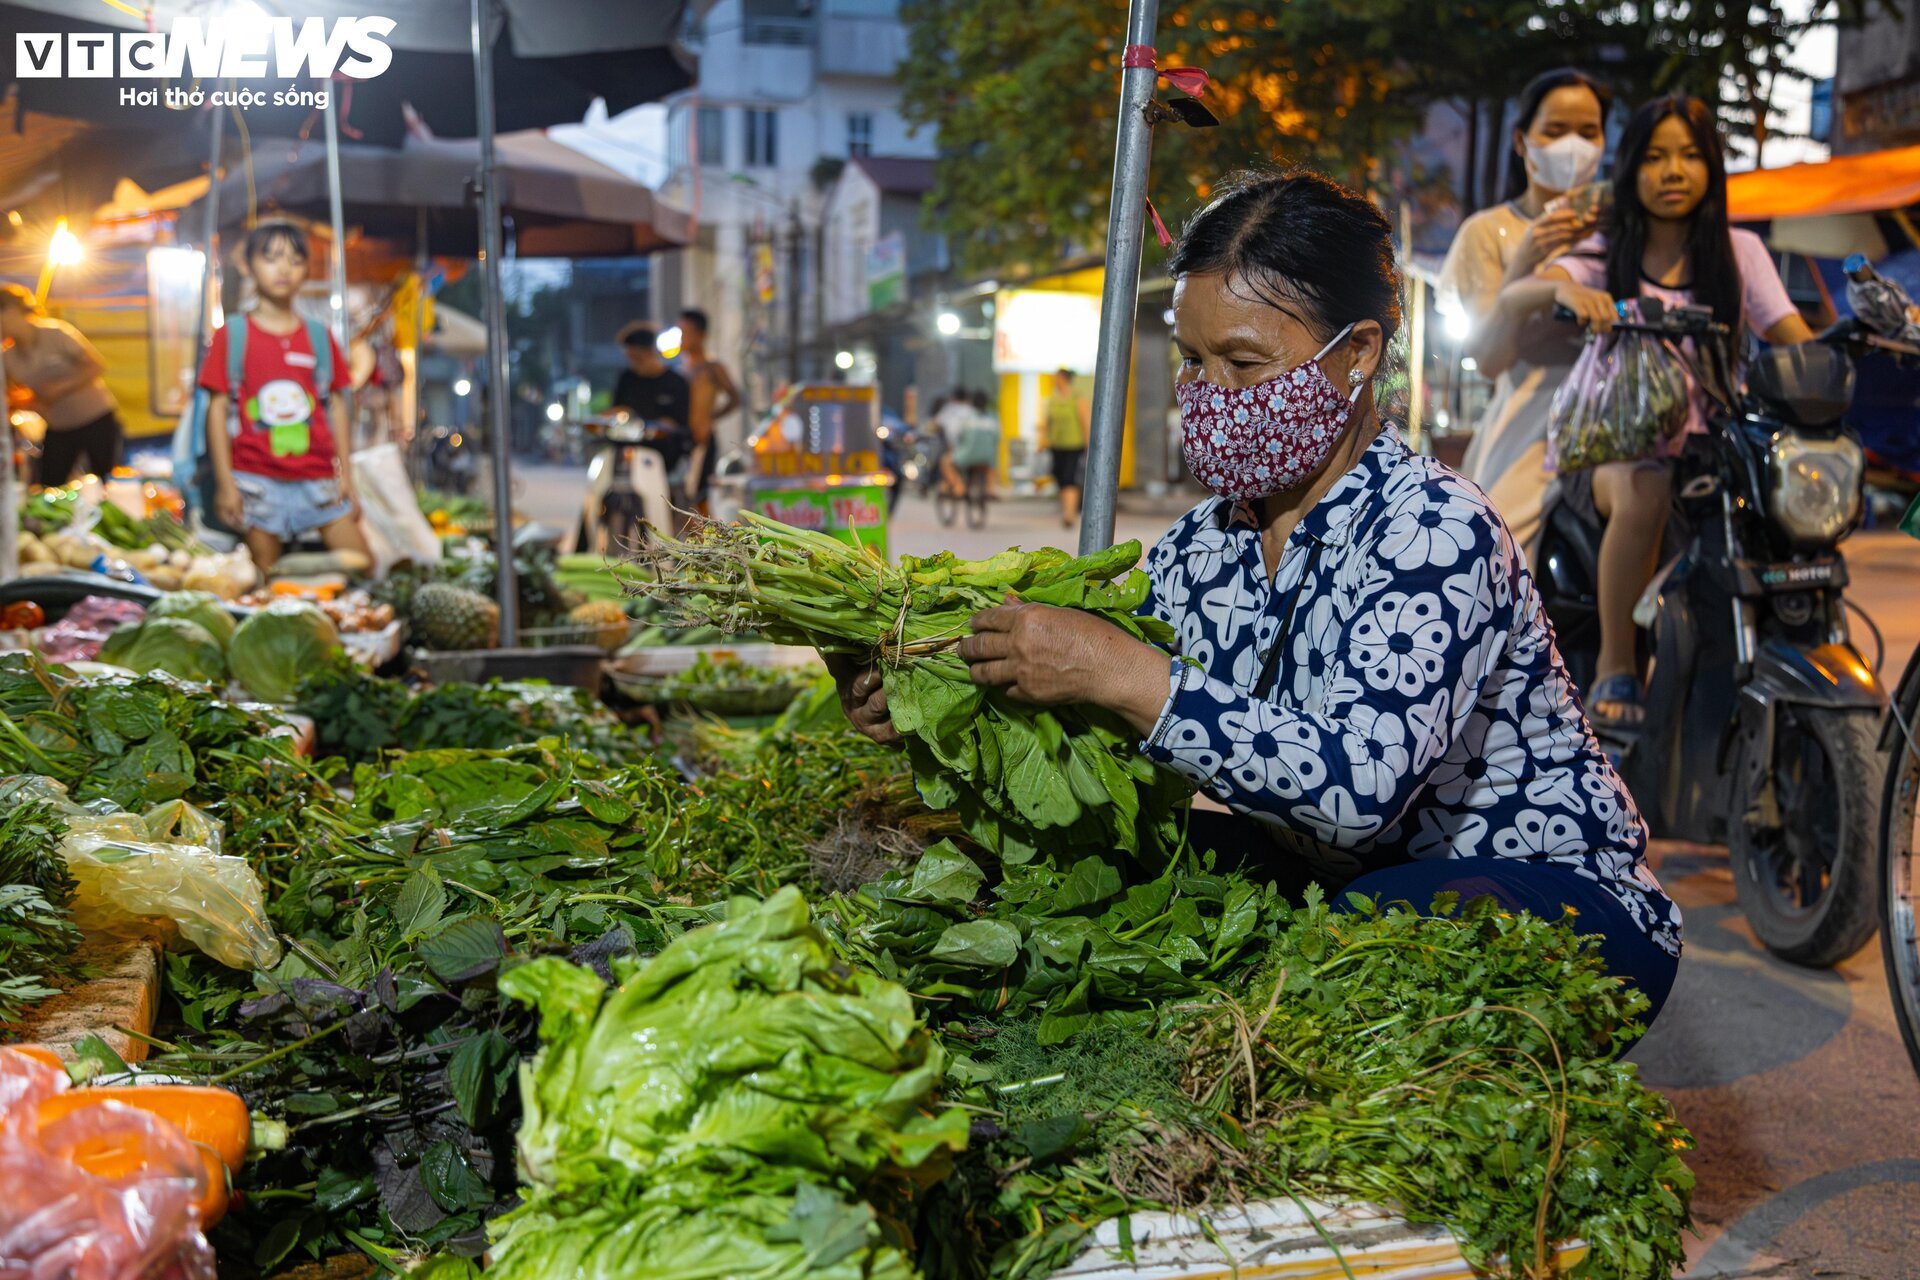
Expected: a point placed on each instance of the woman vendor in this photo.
(1364, 673)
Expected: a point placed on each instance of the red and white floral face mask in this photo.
(1248, 443)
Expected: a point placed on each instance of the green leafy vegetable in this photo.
(202, 608)
(276, 648)
(176, 646)
(1020, 779)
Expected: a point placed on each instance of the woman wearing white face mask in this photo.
(1362, 671)
(1559, 139)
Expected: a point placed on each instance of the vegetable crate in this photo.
(1271, 1240)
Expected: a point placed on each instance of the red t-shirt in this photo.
(283, 426)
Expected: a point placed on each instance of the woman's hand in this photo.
(1546, 238)
(1049, 656)
(1593, 308)
(350, 496)
(863, 697)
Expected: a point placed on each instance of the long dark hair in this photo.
(1713, 271)
(1530, 99)
(1303, 243)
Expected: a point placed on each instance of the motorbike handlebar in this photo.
(1682, 322)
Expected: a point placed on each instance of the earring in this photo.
(1355, 377)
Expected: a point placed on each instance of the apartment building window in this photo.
(763, 139)
(713, 135)
(676, 138)
(776, 22)
(860, 133)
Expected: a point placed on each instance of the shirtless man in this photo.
(715, 395)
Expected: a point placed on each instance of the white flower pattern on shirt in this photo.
(1420, 708)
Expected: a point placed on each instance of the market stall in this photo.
(815, 464)
(1086, 1051)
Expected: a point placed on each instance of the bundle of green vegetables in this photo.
(357, 716)
(1021, 778)
(737, 1106)
(37, 935)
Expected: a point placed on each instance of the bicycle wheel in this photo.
(977, 498)
(946, 503)
(1900, 872)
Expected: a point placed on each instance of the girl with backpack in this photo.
(279, 470)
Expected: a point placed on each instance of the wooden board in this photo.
(124, 992)
(1278, 1240)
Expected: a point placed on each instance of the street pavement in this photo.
(1795, 1083)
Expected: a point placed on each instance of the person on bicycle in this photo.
(1667, 237)
(950, 419)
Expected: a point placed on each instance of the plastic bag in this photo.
(389, 511)
(1626, 398)
(105, 1193)
(134, 873)
(176, 872)
(77, 637)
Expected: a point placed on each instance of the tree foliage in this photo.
(1023, 94)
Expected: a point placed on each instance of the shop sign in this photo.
(1041, 330)
(887, 271)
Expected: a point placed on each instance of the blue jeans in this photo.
(1543, 888)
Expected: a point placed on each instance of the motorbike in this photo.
(450, 462)
(629, 480)
(1762, 716)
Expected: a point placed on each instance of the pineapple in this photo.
(449, 617)
(608, 620)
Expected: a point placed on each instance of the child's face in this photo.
(278, 271)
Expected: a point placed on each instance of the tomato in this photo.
(22, 615)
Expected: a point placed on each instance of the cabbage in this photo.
(282, 644)
(173, 645)
(200, 607)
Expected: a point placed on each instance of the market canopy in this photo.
(551, 59)
(1870, 183)
(562, 203)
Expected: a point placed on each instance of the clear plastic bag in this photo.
(135, 874)
(1626, 398)
(105, 1193)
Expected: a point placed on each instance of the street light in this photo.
(555, 413)
(948, 323)
(63, 250)
(843, 360)
(1458, 325)
(462, 387)
(668, 343)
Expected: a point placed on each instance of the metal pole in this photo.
(498, 389)
(1120, 296)
(209, 272)
(337, 290)
(1417, 337)
(9, 489)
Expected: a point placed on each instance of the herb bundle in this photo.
(1022, 779)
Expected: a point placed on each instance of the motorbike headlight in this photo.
(1814, 486)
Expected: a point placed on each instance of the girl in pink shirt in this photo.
(1667, 237)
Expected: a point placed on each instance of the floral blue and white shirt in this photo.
(1418, 707)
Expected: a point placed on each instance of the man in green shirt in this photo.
(1063, 433)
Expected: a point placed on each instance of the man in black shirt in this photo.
(649, 390)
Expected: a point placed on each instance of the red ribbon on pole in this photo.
(1159, 227)
(1191, 81)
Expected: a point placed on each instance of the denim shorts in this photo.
(288, 508)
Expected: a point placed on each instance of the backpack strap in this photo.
(322, 342)
(236, 355)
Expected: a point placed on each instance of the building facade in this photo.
(789, 92)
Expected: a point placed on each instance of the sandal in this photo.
(1618, 703)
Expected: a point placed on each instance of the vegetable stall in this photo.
(496, 977)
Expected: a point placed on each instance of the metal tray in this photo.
(580, 666)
